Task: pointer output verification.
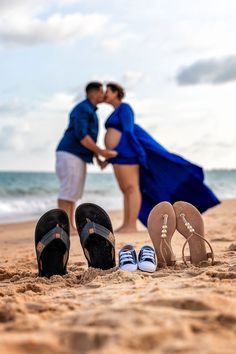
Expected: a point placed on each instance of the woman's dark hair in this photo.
(117, 88)
(94, 85)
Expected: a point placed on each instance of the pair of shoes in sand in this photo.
(52, 238)
(164, 219)
(146, 260)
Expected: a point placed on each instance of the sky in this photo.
(176, 60)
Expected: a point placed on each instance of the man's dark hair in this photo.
(117, 88)
(91, 86)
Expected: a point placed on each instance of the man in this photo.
(77, 148)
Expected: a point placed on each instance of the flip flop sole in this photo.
(197, 247)
(52, 257)
(98, 251)
(155, 223)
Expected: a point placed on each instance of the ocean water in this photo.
(27, 195)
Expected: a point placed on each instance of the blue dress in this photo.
(164, 176)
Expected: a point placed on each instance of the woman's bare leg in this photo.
(125, 199)
(128, 180)
(126, 209)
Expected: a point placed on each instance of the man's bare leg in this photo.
(69, 208)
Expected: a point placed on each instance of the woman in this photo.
(146, 172)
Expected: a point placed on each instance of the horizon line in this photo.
(111, 172)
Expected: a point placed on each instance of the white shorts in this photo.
(71, 172)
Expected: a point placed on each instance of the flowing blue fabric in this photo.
(164, 176)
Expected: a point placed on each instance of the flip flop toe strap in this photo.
(56, 233)
(93, 228)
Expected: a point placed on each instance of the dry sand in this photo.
(174, 310)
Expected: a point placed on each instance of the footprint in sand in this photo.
(27, 344)
(232, 268)
(6, 313)
(181, 304)
(105, 322)
(222, 275)
(93, 285)
(232, 247)
(160, 275)
(227, 321)
(5, 275)
(36, 307)
(83, 341)
(233, 229)
(29, 287)
(15, 278)
(193, 273)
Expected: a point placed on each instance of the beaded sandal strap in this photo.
(163, 240)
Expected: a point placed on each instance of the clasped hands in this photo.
(107, 154)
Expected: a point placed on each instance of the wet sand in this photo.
(174, 310)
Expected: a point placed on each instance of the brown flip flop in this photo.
(190, 225)
(161, 227)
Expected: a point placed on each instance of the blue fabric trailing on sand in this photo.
(164, 176)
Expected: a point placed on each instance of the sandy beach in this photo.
(174, 310)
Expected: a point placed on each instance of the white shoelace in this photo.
(147, 253)
(126, 256)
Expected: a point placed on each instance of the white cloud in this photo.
(14, 106)
(112, 45)
(67, 2)
(133, 78)
(58, 103)
(13, 137)
(119, 38)
(39, 127)
(22, 24)
(209, 37)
